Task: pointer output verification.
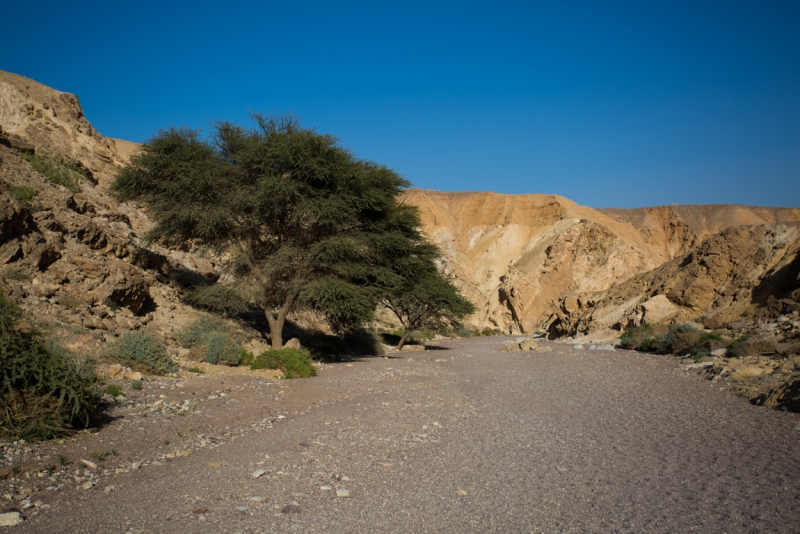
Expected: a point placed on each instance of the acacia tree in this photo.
(424, 297)
(299, 220)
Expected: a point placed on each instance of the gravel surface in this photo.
(471, 439)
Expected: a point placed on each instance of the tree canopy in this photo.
(299, 220)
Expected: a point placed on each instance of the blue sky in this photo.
(611, 104)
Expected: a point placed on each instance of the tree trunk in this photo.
(403, 339)
(276, 323)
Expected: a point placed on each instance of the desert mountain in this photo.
(532, 261)
(527, 260)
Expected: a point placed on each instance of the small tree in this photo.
(425, 298)
(299, 220)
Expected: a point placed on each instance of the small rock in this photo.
(578, 346)
(200, 511)
(88, 485)
(89, 464)
(461, 493)
(242, 508)
(291, 509)
(255, 499)
(10, 519)
(720, 352)
(135, 466)
(341, 492)
(214, 464)
(109, 489)
(325, 488)
(258, 472)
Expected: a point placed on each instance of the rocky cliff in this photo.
(528, 260)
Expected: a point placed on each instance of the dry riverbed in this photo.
(465, 438)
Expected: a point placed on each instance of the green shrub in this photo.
(632, 338)
(113, 306)
(45, 391)
(294, 363)
(462, 332)
(142, 351)
(221, 349)
(210, 332)
(196, 370)
(363, 343)
(678, 337)
(136, 384)
(709, 336)
(22, 193)
(114, 390)
(60, 171)
(245, 358)
(326, 347)
(218, 298)
(16, 274)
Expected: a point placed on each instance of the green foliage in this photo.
(294, 363)
(218, 298)
(63, 460)
(490, 332)
(245, 358)
(113, 306)
(426, 298)
(114, 390)
(45, 391)
(16, 274)
(709, 336)
(302, 221)
(143, 351)
(136, 384)
(461, 331)
(363, 343)
(22, 193)
(196, 370)
(220, 345)
(60, 171)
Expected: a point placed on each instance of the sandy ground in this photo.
(463, 439)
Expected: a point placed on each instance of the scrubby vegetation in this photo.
(22, 193)
(361, 342)
(675, 339)
(60, 171)
(218, 298)
(214, 340)
(45, 391)
(294, 363)
(143, 351)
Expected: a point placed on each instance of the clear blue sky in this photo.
(619, 104)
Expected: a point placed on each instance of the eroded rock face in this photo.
(45, 117)
(723, 279)
(542, 261)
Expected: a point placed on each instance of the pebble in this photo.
(89, 464)
(461, 493)
(109, 489)
(341, 492)
(255, 499)
(242, 508)
(258, 472)
(135, 466)
(88, 485)
(325, 488)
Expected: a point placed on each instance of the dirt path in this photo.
(470, 439)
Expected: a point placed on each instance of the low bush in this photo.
(114, 390)
(294, 363)
(679, 337)
(22, 193)
(45, 391)
(363, 343)
(143, 351)
(213, 340)
(111, 305)
(218, 298)
(136, 385)
(196, 370)
(60, 171)
(462, 332)
(246, 358)
(634, 338)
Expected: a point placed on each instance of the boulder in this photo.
(293, 343)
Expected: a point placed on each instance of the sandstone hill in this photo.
(528, 260)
